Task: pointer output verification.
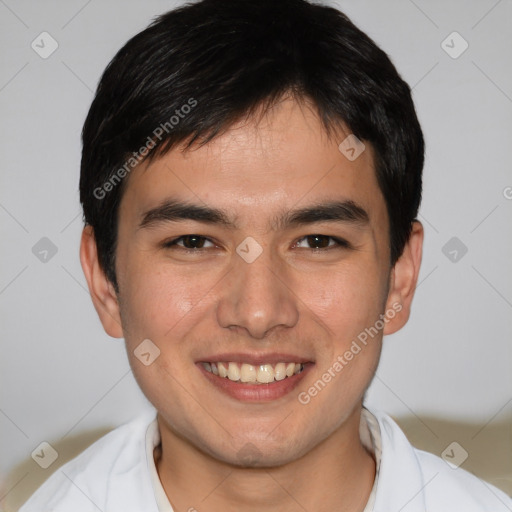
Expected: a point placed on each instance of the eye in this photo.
(190, 242)
(321, 242)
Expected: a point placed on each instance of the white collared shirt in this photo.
(117, 474)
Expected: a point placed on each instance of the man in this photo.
(251, 177)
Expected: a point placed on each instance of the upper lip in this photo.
(254, 358)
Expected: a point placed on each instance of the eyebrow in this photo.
(171, 210)
(331, 211)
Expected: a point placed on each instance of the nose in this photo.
(255, 297)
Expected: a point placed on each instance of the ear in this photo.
(101, 289)
(403, 279)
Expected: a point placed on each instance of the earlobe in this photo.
(101, 289)
(403, 280)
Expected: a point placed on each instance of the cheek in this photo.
(345, 300)
(150, 297)
(164, 309)
(155, 303)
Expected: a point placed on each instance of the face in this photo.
(265, 246)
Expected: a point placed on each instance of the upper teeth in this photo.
(260, 374)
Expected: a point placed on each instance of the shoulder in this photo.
(451, 485)
(94, 479)
(417, 480)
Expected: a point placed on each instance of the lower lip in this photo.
(255, 392)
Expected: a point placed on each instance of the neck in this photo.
(337, 474)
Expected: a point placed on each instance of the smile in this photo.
(253, 374)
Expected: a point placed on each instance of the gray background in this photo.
(64, 381)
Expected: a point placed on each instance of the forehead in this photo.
(261, 167)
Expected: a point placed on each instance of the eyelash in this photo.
(340, 243)
(173, 242)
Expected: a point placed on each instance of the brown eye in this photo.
(321, 242)
(193, 241)
(318, 241)
(190, 242)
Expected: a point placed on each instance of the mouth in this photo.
(255, 379)
(254, 374)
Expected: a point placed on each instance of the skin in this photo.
(293, 299)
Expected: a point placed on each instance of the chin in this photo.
(260, 455)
